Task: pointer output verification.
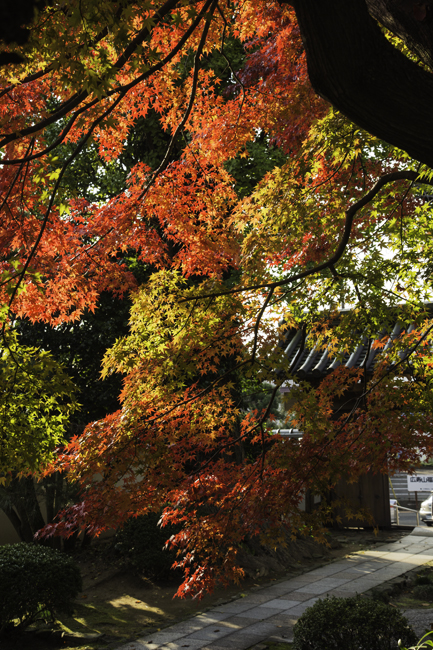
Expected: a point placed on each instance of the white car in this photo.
(425, 511)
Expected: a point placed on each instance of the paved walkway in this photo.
(270, 613)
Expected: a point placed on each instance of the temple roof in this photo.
(313, 363)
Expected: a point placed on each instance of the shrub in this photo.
(351, 624)
(423, 579)
(141, 541)
(35, 582)
(423, 592)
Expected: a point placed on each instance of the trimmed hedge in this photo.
(354, 623)
(423, 579)
(141, 542)
(35, 583)
(424, 592)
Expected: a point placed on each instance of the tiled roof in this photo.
(313, 363)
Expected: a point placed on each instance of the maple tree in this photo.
(79, 348)
(232, 241)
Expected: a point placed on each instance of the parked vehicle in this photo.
(425, 511)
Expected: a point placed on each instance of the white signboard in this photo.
(420, 483)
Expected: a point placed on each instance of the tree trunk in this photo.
(14, 519)
(22, 508)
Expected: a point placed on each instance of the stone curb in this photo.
(394, 586)
(384, 591)
(254, 589)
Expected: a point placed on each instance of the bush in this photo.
(35, 582)
(351, 624)
(423, 579)
(423, 592)
(141, 541)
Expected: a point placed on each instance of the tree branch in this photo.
(350, 216)
(79, 97)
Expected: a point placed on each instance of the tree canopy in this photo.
(264, 163)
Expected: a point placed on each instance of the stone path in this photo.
(270, 613)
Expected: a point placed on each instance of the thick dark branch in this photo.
(118, 89)
(353, 66)
(76, 99)
(257, 324)
(211, 4)
(144, 33)
(62, 111)
(44, 224)
(332, 261)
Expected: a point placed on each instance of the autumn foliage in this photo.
(345, 219)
